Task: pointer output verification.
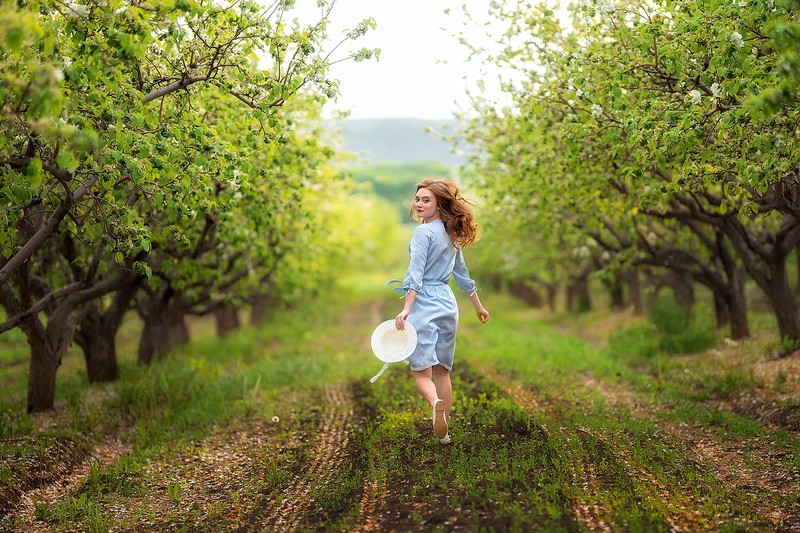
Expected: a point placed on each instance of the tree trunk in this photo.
(631, 278)
(46, 353)
(737, 305)
(164, 325)
(97, 340)
(552, 294)
(580, 293)
(227, 319)
(797, 270)
(260, 305)
(721, 311)
(617, 294)
(525, 292)
(740, 328)
(42, 376)
(178, 331)
(783, 302)
(97, 332)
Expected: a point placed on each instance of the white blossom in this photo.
(737, 40)
(275, 419)
(695, 96)
(597, 110)
(715, 89)
(606, 8)
(579, 93)
(75, 10)
(237, 196)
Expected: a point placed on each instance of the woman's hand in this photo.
(483, 314)
(400, 320)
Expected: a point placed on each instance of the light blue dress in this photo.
(434, 315)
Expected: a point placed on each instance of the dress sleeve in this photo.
(461, 274)
(418, 252)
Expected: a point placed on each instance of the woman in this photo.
(447, 226)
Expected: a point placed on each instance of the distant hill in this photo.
(399, 140)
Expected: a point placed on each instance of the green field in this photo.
(553, 429)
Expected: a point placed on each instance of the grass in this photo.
(551, 432)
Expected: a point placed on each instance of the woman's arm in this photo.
(400, 319)
(483, 314)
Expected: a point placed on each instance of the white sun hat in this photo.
(391, 345)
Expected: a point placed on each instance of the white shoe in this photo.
(446, 439)
(439, 419)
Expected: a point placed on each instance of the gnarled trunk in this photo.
(227, 319)
(552, 294)
(48, 346)
(97, 332)
(578, 298)
(616, 294)
(783, 302)
(631, 279)
(165, 326)
(98, 343)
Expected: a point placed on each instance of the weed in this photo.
(42, 510)
(788, 345)
(670, 318)
(725, 385)
(174, 492)
(693, 340)
(274, 473)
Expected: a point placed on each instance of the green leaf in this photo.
(35, 173)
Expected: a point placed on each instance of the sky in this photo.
(422, 66)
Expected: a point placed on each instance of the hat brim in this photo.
(391, 345)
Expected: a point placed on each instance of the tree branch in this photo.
(172, 87)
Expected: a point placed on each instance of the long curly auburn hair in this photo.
(455, 210)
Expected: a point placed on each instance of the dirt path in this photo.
(329, 443)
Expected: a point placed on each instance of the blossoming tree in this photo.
(105, 152)
(641, 128)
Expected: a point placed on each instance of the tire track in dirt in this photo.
(589, 513)
(678, 521)
(723, 459)
(332, 433)
(106, 453)
(371, 499)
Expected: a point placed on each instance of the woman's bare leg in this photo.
(443, 386)
(425, 385)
